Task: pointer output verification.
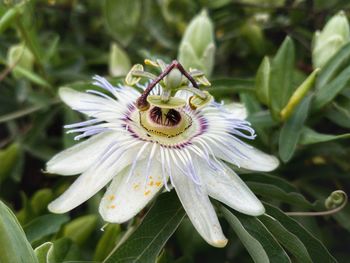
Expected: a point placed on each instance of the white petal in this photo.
(81, 156)
(236, 110)
(196, 202)
(228, 188)
(125, 198)
(92, 180)
(91, 105)
(245, 155)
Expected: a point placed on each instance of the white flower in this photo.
(142, 152)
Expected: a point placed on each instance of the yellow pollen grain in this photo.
(111, 197)
(151, 183)
(158, 183)
(112, 206)
(136, 186)
(147, 192)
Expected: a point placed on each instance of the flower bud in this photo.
(119, 62)
(20, 56)
(326, 43)
(197, 48)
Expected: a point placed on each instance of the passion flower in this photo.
(145, 142)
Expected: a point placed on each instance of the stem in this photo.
(142, 103)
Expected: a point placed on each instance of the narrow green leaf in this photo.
(315, 248)
(309, 136)
(276, 193)
(287, 239)
(146, 242)
(31, 76)
(333, 66)
(331, 90)
(254, 248)
(14, 245)
(262, 80)
(291, 130)
(43, 226)
(25, 111)
(80, 228)
(10, 16)
(259, 232)
(281, 77)
(122, 18)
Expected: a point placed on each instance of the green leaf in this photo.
(14, 245)
(43, 226)
(276, 193)
(287, 239)
(40, 200)
(122, 18)
(254, 227)
(146, 242)
(309, 136)
(315, 248)
(231, 85)
(254, 248)
(8, 160)
(262, 119)
(63, 250)
(80, 228)
(339, 114)
(291, 130)
(331, 90)
(224, 87)
(333, 66)
(107, 242)
(270, 179)
(281, 77)
(262, 80)
(42, 251)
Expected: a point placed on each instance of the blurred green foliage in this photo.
(263, 58)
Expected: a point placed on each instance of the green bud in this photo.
(197, 48)
(119, 62)
(173, 79)
(326, 43)
(20, 56)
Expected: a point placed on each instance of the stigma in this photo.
(165, 122)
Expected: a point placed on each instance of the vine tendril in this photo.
(336, 201)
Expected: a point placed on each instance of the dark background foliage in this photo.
(70, 42)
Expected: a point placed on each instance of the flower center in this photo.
(165, 122)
